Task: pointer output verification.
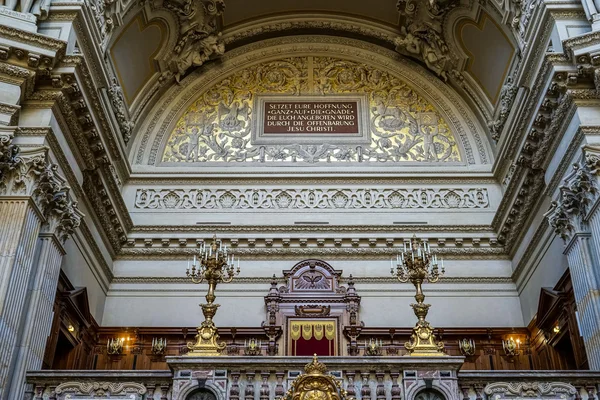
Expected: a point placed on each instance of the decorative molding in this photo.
(380, 229)
(267, 280)
(100, 389)
(174, 101)
(307, 199)
(529, 390)
(304, 252)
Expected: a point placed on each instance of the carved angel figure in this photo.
(199, 40)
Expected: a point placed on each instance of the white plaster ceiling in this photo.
(243, 10)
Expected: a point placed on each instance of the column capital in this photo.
(30, 173)
(577, 197)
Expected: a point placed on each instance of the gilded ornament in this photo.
(403, 125)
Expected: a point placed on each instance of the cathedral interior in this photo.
(300, 199)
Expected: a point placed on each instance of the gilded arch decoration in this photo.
(163, 137)
(403, 125)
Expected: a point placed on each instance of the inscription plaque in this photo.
(311, 117)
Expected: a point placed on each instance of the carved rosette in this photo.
(30, 173)
(567, 215)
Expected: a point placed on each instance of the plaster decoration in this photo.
(507, 97)
(530, 390)
(567, 215)
(463, 123)
(117, 102)
(559, 221)
(305, 199)
(199, 39)
(109, 15)
(100, 389)
(105, 208)
(421, 34)
(522, 12)
(404, 126)
(9, 158)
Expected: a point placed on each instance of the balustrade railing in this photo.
(268, 378)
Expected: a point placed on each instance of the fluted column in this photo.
(19, 228)
(37, 316)
(575, 217)
(36, 216)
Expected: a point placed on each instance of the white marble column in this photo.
(19, 229)
(36, 321)
(576, 218)
(36, 216)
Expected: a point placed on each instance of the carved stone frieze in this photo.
(530, 390)
(422, 36)
(305, 199)
(99, 389)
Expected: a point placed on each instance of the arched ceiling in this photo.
(464, 45)
(239, 11)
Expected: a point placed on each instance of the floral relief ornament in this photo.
(403, 125)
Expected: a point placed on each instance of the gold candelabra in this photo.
(214, 265)
(417, 264)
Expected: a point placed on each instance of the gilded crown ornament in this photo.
(417, 264)
(214, 264)
(315, 367)
(315, 384)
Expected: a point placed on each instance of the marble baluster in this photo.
(351, 388)
(265, 391)
(396, 391)
(279, 388)
(249, 390)
(380, 390)
(365, 390)
(234, 390)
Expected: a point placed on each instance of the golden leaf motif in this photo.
(404, 125)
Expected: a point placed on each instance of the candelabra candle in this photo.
(213, 265)
(418, 264)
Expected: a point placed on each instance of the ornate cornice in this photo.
(268, 280)
(404, 228)
(305, 252)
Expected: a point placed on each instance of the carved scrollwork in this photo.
(100, 389)
(403, 125)
(507, 97)
(531, 390)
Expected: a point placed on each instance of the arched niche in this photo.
(426, 97)
(201, 394)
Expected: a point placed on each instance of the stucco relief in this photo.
(306, 199)
(404, 126)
